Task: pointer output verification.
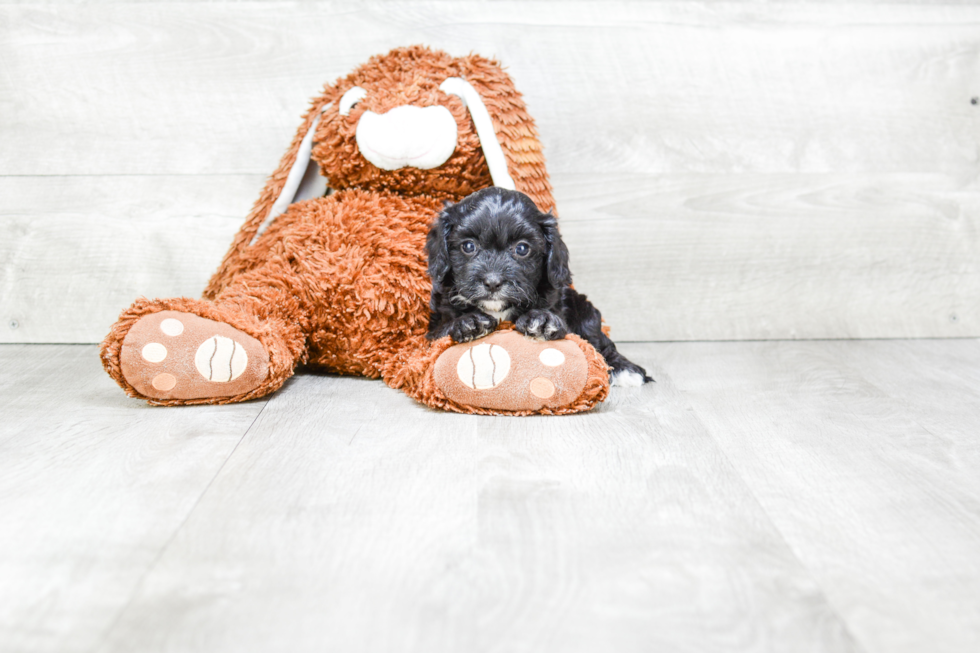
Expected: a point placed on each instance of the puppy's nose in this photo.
(492, 282)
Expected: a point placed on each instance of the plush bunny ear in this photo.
(484, 130)
(296, 178)
(513, 132)
(303, 182)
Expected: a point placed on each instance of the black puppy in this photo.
(494, 256)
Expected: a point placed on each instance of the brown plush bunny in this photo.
(340, 280)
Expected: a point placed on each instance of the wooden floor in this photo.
(770, 496)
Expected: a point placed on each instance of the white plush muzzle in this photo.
(406, 136)
(420, 137)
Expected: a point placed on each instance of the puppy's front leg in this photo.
(542, 324)
(472, 326)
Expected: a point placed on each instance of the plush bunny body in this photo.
(340, 280)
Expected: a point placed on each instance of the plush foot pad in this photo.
(508, 371)
(174, 355)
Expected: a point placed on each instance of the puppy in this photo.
(494, 256)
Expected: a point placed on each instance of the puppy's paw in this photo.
(472, 326)
(626, 378)
(541, 324)
(627, 374)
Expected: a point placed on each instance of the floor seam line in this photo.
(173, 536)
(782, 536)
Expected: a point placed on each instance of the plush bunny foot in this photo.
(508, 372)
(177, 355)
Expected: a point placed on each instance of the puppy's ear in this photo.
(437, 247)
(556, 263)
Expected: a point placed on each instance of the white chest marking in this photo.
(496, 310)
(499, 315)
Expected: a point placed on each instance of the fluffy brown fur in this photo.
(341, 281)
(409, 75)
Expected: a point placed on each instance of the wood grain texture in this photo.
(864, 454)
(627, 530)
(182, 88)
(723, 171)
(402, 529)
(76, 251)
(720, 257)
(779, 496)
(679, 257)
(92, 487)
(328, 531)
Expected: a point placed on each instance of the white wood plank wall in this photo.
(723, 171)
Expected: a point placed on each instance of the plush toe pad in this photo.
(174, 355)
(507, 371)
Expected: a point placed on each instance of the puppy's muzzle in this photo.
(493, 282)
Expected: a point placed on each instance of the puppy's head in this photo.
(496, 251)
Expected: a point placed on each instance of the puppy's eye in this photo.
(468, 247)
(522, 249)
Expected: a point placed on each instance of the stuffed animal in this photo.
(336, 276)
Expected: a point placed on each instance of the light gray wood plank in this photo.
(395, 528)
(627, 530)
(720, 257)
(939, 388)
(935, 381)
(92, 487)
(877, 493)
(78, 250)
(655, 88)
(880, 93)
(673, 257)
(326, 530)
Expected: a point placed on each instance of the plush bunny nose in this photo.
(420, 137)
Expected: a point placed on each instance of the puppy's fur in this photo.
(494, 256)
